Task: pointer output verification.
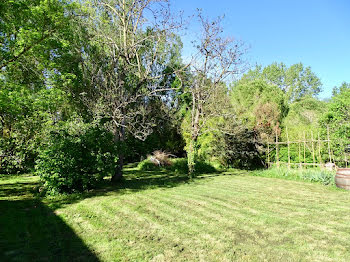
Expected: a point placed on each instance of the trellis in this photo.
(313, 144)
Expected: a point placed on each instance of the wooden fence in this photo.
(313, 144)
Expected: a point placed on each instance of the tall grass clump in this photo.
(312, 175)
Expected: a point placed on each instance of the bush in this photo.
(12, 157)
(178, 165)
(204, 168)
(147, 165)
(76, 157)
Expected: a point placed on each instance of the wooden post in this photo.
(268, 154)
(319, 149)
(300, 166)
(277, 151)
(313, 148)
(288, 148)
(304, 148)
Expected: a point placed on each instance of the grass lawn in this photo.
(156, 216)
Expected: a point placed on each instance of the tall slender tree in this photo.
(218, 58)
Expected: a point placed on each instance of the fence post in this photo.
(313, 148)
(329, 146)
(277, 151)
(268, 154)
(288, 148)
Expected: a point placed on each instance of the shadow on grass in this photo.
(30, 231)
(133, 181)
(17, 189)
(136, 180)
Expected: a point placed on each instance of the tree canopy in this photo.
(295, 81)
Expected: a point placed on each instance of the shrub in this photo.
(204, 168)
(178, 165)
(147, 165)
(12, 157)
(76, 157)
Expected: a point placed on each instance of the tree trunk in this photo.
(192, 151)
(191, 157)
(118, 174)
(119, 137)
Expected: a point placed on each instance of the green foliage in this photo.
(12, 155)
(303, 120)
(259, 105)
(295, 81)
(337, 118)
(165, 136)
(312, 175)
(37, 66)
(178, 165)
(239, 149)
(147, 165)
(25, 116)
(76, 157)
(202, 167)
(304, 116)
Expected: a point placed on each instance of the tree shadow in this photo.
(17, 189)
(137, 180)
(30, 231)
(133, 181)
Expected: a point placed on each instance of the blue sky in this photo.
(314, 32)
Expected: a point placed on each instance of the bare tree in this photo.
(132, 44)
(218, 59)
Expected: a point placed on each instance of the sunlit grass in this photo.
(156, 216)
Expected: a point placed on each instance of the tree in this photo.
(132, 53)
(337, 119)
(295, 81)
(260, 106)
(218, 58)
(304, 116)
(29, 26)
(34, 71)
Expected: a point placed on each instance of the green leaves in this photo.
(337, 118)
(259, 105)
(295, 81)
(76, 158)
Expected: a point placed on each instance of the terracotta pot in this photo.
(342, 178)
